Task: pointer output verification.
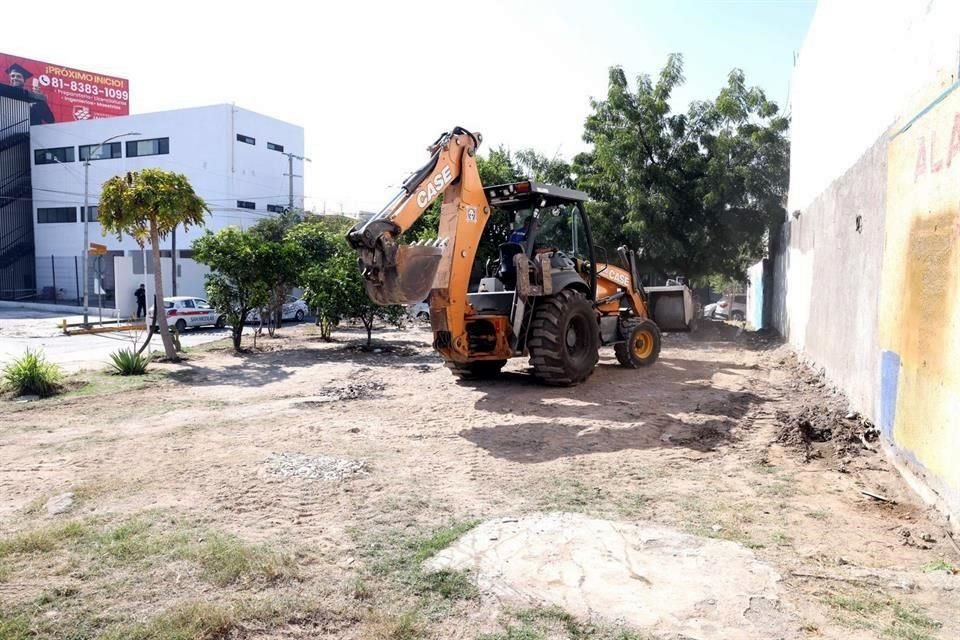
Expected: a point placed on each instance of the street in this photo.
(22, 329)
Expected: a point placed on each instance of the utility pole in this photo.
(173, 259)
(292, 175)
(92, 153)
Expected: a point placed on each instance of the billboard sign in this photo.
(62, 94)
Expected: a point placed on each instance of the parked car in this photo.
(732, 306)
(419, 311)
(293, 309)
(187, 311)
(710, 311)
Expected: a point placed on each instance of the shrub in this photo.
(33, 375)
(128, 362)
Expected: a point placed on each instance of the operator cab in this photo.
(531, 218)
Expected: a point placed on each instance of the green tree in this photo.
(696, 192)
(235, 284)
(147, 205)
(328, 287)
(317, 241)
(282, 268)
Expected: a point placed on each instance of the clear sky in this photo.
(373, 83)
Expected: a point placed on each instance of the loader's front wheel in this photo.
(642, 346)
(564, 339)
(477, 370)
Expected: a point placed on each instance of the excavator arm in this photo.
(396, 273)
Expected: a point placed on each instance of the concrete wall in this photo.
(867, 266)
(829, 278)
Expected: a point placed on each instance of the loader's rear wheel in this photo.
(477, 370)
(564, 339)
(642, 346)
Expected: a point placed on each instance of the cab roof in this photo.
(524, 194)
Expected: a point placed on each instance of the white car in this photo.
(419, 311)
(293, 309)
(732, 306)
(186, 311)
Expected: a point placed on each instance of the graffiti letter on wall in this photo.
(954, 140)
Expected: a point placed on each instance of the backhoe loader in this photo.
(544, 295)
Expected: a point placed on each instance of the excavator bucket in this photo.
(410, 280)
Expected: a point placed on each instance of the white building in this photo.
(235, 159)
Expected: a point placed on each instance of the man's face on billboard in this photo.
(16, 79)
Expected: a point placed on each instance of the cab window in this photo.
(187, 303)
(561, 227)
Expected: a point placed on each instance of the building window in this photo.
(94, 214)
(47, 215)
(276, 208)
(246, 139)
(154, 147)
(244, 204)
(53, 156)
(273, 146)
(108, 151)
(186, 255)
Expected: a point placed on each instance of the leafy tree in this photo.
(281, 270)
(237, 260)
(147, 205)
(695, 191)
(321, 269)
(335, 288)
(328, 288)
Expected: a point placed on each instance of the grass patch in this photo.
(571, 495)
(553, 622)
(42, 540)
(940, 565)
(194, 620)
(819, 514)
(226, 560)
(15, 627)
(221, 559)
(96, 383)
(408, 625)
(395, 571)
(882, 615)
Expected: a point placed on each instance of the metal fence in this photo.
(59, 280)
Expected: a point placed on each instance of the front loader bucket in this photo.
(410, 280)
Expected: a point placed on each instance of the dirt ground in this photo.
(294, 491)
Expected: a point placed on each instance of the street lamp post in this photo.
(86, 217)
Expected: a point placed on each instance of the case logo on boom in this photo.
(433, 188)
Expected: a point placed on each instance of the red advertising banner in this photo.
(62, 94)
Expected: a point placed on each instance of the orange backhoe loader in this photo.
(544, 296)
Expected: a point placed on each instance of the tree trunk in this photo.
(237, 335)
(158, 305)
(368, 324)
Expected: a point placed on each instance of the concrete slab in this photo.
(642, 575)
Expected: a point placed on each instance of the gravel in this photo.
(296, 465)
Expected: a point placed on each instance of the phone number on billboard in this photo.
(89, 89)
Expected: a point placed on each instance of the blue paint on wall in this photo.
(889, 379)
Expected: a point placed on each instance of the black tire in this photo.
(642, 346)
(299, 315)
(423, 316)
(737, 316)
(180, 325)
(221, 322)
(564, 339)
(477, 370)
